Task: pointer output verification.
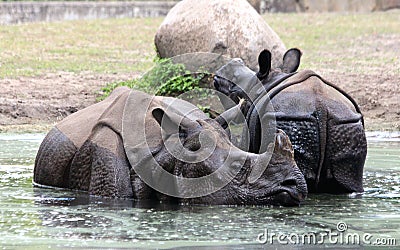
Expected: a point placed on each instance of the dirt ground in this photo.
(377, 96)
(36, 103)
(30, 104)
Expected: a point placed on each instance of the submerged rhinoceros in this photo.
(114, 148)
(323, 122)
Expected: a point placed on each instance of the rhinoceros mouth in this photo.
(281, 197)
(286, 198)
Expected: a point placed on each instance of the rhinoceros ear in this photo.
(172, 123)
(264, 63)
(291, 60)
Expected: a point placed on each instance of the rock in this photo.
(231, 28)
(256, 4)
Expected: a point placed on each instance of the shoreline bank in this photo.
(372, 130)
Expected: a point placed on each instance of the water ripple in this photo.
(41, 217)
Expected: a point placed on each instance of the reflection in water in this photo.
(41, 217)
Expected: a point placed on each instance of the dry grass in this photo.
(352, 43)
(126, 45)
(102, 46)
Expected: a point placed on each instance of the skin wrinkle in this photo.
(107, 157)
(247, 193)
(338, 120)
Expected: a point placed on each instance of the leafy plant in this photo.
(166, 78)
(181, 84)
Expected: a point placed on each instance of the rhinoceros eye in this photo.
(193, 142)
(195, 147)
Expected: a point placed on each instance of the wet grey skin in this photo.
(87, 151)
(323, 122)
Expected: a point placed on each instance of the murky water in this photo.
(38, 218)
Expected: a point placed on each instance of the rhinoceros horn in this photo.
(230, 114)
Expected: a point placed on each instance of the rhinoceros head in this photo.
(291, 62)
(236, 80)
(204, 167)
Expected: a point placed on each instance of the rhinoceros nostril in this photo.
(289, 183)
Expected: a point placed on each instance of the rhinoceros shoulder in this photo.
(306, 92)
(78, 126)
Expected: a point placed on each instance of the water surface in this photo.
(37, 218)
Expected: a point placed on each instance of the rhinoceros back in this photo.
(326, 129)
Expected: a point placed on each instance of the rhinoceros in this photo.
(142, 147)
(324, 124)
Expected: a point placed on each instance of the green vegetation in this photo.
(180, 84)
(165, 78)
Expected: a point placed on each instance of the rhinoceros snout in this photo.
(290, 192)
(292, 188)
(296, 188)
(277, 173)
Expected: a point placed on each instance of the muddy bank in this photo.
(34, 104)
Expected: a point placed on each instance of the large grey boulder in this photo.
(231, 28)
